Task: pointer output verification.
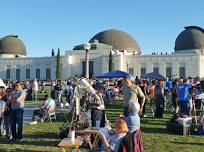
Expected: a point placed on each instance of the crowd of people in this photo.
(183, 95)
(11, 110)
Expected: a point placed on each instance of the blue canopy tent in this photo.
(154, 75)
(114, 74)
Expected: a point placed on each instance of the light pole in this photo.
(87, 47)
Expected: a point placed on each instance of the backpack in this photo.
(138, 142)
(127, 144)
(132, 142)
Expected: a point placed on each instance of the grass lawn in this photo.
(43, 137)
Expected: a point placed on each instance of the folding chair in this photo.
(50, 116)
(198, 107)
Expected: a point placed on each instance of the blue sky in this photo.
(46, 24)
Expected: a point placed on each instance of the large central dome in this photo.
(118, 39)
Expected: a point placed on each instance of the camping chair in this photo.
(169, 101)
(49, 116)
(198, 108)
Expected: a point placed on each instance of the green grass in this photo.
(44, 137)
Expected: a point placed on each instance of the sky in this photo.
(44, 25)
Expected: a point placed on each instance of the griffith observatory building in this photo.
(187, 59)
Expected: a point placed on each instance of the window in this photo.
(8, 72)
(91, 68)
(48, 73)
(156, 67)
(168, 71)
(143, 71)
(37, 74)
(27, 73)
(18, 74)
(182, 72)
(131, 70)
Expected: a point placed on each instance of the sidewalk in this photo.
(28, 113)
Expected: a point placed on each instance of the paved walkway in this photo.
(28, 113)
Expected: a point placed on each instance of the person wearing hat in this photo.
(131, 93)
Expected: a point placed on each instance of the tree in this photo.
(110, 62)
(58, 66)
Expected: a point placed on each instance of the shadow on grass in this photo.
(21, 150)
(187, 143)
(42, 135)
(41, 143)
(154, 130)
(36, 142)
(153, 123)
(17, 150)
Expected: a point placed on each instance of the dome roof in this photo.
(118, 39)
(12, 45)
(191, 38)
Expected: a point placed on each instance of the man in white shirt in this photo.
(35, 89)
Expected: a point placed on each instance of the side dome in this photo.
(191, 38)
(12, 45)
(118, 39)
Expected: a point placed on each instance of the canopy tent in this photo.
(155, 75)
(114, 74)
(2, 83)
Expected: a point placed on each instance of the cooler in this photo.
(179, 129)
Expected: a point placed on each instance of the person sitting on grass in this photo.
(113, 144)
(47, 107)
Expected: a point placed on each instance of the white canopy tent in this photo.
(2, 83)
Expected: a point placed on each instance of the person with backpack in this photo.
(131, 93)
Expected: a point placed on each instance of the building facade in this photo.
(187, 60)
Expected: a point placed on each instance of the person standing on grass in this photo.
(131, 93)
(183, 97)
(17, 109)
(159, 98)
(69, 92)
(35, 89)
(133, 120)
(2, 107)
(143, 87)
(7, 118)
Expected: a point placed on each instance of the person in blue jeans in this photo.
(133, 120)
(2, 107)
(183, 96)
(7, 120)
(17, 106)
